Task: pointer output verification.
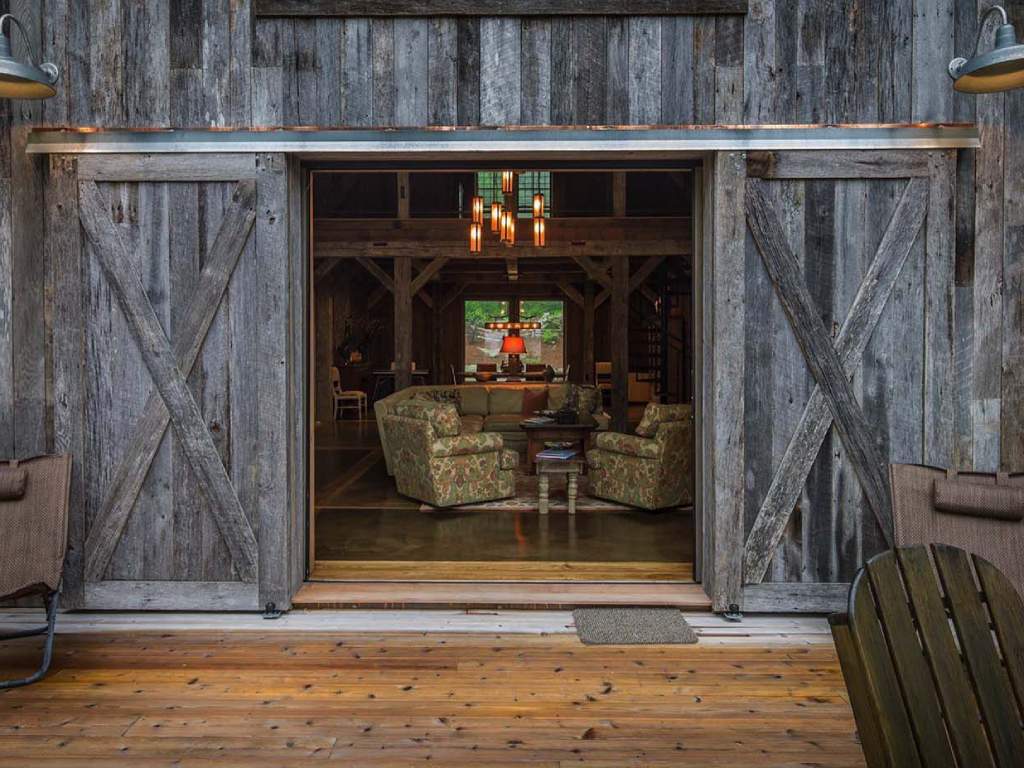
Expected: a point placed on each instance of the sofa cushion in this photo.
(443, 417)
(506, 400)
(503, 422)
(449, 395)
(534, 399)
(472, 424)
(656, 414)
(474, 401)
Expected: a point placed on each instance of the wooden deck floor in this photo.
(199, 698)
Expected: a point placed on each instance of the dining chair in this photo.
(347, 399)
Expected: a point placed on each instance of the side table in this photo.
(570, 468)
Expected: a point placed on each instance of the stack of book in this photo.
(538, 420)
(558, 454)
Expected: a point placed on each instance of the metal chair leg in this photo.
(50, 601)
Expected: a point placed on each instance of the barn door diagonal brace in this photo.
(173, 401)
(832, 398)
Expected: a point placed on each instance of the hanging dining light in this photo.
(538, 205)
(476, 237)
(508, 181)
(508, 235)
(495, 217)
(540, 238)
(477, 209)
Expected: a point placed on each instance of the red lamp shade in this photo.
(513, 345)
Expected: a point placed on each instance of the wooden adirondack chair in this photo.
(932, 650)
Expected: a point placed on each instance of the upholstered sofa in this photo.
(435, 463)
(651, 469)
(488, 408)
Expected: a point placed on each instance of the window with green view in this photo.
(488, 186)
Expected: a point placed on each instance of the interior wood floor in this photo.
(365, 531)
(246, 699)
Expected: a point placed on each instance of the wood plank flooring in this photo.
(251, 699)
(471, 570)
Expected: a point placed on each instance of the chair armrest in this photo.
(628, 445)
(460, 445)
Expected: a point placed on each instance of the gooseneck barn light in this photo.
(19, 80)
(1001, 69)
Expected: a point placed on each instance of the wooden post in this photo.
(620, 343)
(403, 194)
(437, 338)
(588, 333)
(403, 323)
(619, 194)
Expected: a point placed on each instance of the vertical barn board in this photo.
(442, 63)
(536, 69)
(704, 70)
(563, 58)
(146, 85)
(617, 86)
(330, 48)
(468, 71)
(6, 330)
(729, 69)
(411, 72)
(356, 85)
(1012, 427)
(932, 98)
(239, 108)
(65, 260)
(761, 106)
(272, 243)
(268, 72)
(382, 47)
(986, 368)
(939, 268)
(677, 70)
(590, 70)
(302, 81)
(103, 87)
(727, 367)
(500, 71)
(895, 63)
(217, 53)
(645, 85)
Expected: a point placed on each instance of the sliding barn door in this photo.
(172, 359)
(839, 317)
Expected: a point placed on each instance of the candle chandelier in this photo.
(505, 216)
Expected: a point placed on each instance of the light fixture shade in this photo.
(538, 205)
(508, 181)
(19, 80)
(513, 345)
(540, 238)
(475, 237)
(477, 209)
(510, 228)
(1000, 69)
(495, 217)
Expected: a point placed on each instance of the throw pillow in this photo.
(588, 399)
(441, 396)
(656, 414)
(534, 400)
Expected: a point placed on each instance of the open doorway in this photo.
(595, 311)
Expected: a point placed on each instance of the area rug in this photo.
(633, 626)
(525, 500)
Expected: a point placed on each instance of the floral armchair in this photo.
(439, 466)
(651, 469)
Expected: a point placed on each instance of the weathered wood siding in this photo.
(211, 63)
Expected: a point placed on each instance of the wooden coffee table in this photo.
(538, 434)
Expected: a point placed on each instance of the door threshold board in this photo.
(497, 571)
(548, 595)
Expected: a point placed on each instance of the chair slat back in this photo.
(932, 681)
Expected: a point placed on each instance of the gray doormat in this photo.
(632, 626)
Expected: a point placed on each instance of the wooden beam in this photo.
(590, 249)
(425, 276)
(403, 323)
(383, 277)
(619, 333)
(636, 282)
(512, 267)
(324, 267)
(821, 357)
(595, 271)
(570, 290)
(588, 333)
(453, 294)
(377, 8)
(828, 164)
(379, 293)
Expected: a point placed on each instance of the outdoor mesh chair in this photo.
(33, 539)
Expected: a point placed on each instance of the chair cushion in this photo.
(463, 445)
(506, 400)
(656, 414)
(473, 400)
(443, 417)
(628, 445)
(472, 424)
(503, 422)
(534, 399)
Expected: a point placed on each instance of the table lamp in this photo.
(513, 346)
